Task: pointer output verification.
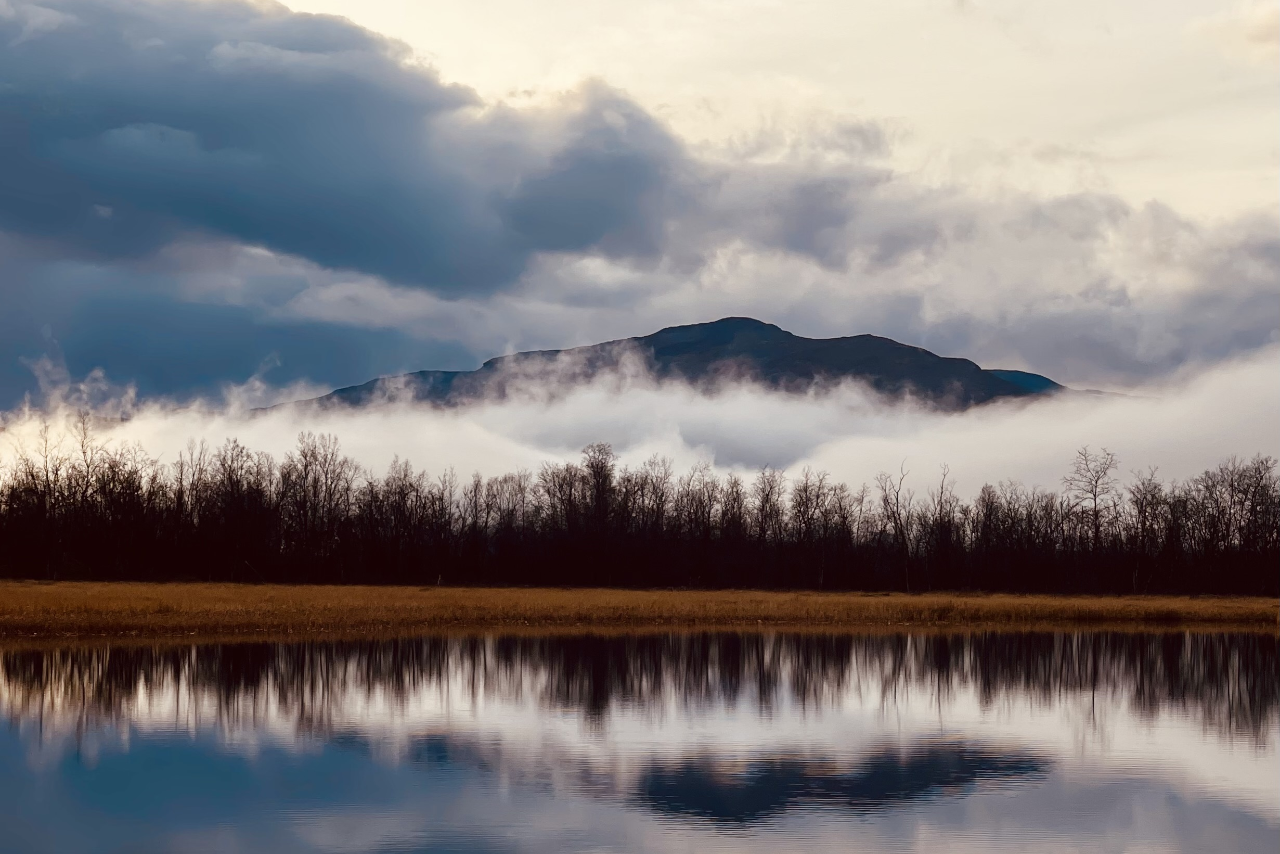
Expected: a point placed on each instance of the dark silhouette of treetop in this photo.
(100, 512)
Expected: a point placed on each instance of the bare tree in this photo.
(598, 463)
(767, 493)
(1092, 485)
(896, 507)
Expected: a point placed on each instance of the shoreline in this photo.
(36, 611)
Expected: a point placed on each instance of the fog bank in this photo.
(1181, 428)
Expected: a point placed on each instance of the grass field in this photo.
(34, 610)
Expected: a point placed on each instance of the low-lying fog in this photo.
(1181, 427)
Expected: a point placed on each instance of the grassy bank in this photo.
(33, 610)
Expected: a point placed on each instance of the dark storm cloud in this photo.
(609, 188)
(127, 124)
(139, 338)
(129, 127)
(132, 324)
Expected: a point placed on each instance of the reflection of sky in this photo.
(177, 793)
(443, 767)
(527, 740)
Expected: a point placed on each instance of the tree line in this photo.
(86, 510)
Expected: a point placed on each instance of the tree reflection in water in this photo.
(1228, 681)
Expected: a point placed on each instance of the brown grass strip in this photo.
(35, 610)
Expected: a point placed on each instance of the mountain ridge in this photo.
(706, 354)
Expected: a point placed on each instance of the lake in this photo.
(680, 742)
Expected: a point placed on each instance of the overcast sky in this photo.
(195, 194)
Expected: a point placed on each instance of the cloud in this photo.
(155, 326)
(191, 190)
(1249, 32)
(307, 135)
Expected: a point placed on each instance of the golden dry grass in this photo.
(33, 610)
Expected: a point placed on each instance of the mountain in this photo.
(705, 354)
(1031, 382)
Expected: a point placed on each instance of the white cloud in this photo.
(972, 91)
(1250, 32)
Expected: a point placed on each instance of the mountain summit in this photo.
(705, 354)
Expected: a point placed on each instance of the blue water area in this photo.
(664, 743)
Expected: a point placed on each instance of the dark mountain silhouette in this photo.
(887, 779)
(706, 354)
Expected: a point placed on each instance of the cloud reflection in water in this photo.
(666, 742)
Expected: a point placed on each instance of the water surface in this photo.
(664, 743)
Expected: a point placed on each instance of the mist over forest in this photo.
(168, 271)
(81, 509)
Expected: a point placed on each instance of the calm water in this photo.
(682, 742)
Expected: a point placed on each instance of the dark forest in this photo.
(94, 512)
